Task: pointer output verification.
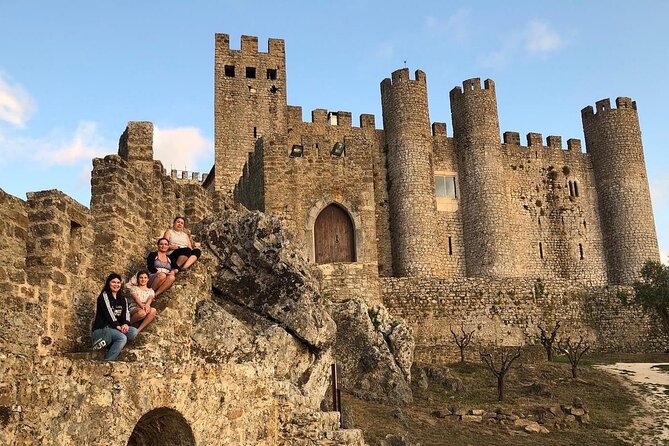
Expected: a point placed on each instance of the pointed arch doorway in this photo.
(334, 236)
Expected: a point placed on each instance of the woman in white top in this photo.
(140, 304)
(181, 252)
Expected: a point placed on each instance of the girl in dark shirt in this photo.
(111, 327)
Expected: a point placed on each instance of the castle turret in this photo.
(484, 201)
(410, 176)
(249, 102)
(613, 140)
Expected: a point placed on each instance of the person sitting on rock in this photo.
(140, 305)
(111, 327)
(181, 252)
(162, 268)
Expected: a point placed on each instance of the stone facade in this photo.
(535, 210)
(203, 373)
(531, 234)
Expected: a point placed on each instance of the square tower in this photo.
(249, 102)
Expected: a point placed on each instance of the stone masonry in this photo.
(530, 233)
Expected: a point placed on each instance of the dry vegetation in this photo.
(531, 389)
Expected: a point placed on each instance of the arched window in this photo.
(334, 237)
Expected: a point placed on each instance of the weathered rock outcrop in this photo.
(369, 369)
(260, 269)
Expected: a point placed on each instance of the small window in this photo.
(251, 72)
(450, 247)
(229, 71)
(541, 250)
(580, 250)
(255, 132)
(271, 74)
(573, 188)
(445, 186)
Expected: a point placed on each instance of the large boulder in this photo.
(259, 268)
(369, 369)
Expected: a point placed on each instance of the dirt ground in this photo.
(650, 382)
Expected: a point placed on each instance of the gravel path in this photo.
(650, 382)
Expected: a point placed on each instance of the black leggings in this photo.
(184, 252)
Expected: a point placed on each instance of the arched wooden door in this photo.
(334, 240)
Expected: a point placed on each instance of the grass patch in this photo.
(608, 402)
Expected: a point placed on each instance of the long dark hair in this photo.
(111, 277)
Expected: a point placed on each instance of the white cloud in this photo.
(16, 105)
(536, 39)
(58, 148)
(541, 39)
(179, 147)
(454, 27)
(84, 145)
(385, 51)
(659, 193)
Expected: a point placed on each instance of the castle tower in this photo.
(410, 176)
(484, 201)
(613, 140)
(249, 102)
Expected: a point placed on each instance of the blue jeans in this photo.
(115, 340)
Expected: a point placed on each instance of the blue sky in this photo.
(73, 73)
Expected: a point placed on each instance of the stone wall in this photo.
(18, 296)
(298, 188)
(507, 311)
(343, 281)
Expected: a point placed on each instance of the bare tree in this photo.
(574, 352)
(462, 340)
(548, 340)
(499, 362)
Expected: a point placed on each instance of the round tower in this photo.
(411, 192)
(484, 201)
(613, 141)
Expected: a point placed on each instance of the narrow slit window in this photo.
(229, 71)
(585, 225)
(571, 189)
(271, 74)
(450, 246)
(580, 250)
(541, 250)
(255, 132)
(251, 72)
(576, 188)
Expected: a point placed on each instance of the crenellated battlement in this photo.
(321, 116)
(439, 129)
(184, 176)
(604, 106)
(534, 140)
(249, 45)
(402, 76)
(470, 85)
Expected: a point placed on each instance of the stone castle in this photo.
(440, 230)
(422, 204)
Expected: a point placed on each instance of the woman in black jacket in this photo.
(111, 327)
